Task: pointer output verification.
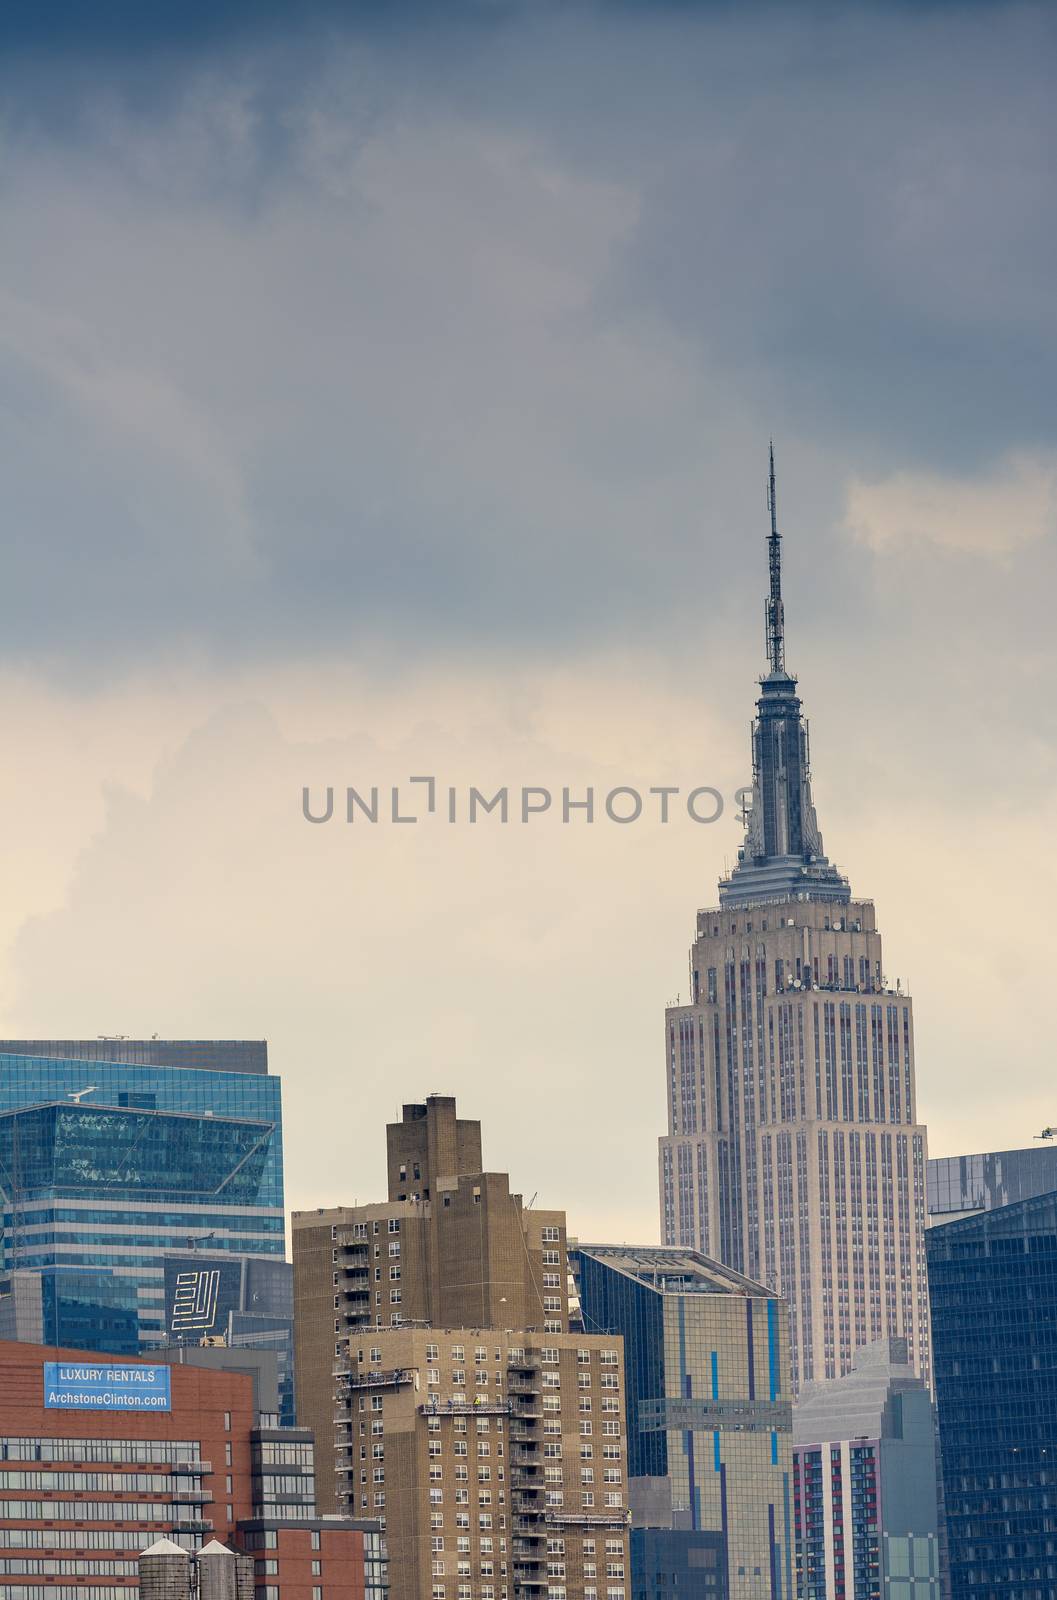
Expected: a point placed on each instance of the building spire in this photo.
(775, 609)
(782, 857)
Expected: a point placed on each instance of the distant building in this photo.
(993, 1292)
(677, 1564)
(261, 1366)
(961, 1184)
(865, 1483)
(102, 1459)
(706, 1357)
(247, 1302)
(107, 1165)
(789, 1070)
(202, 1055)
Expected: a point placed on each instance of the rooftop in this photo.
(674, 1270)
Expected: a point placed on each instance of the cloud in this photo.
(443, 335)
(525, 968)
(395, 390)
(990, 515)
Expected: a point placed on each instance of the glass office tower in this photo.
(105, 1166)
(992, 1178)
(993, 1292)
(709, 1403)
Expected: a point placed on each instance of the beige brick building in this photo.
(450, 1247)
(497, 1460)
(432, 1348)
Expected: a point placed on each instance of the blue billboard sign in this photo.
(83, 1386)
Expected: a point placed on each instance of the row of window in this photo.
(549, 1356)
(64, 1566)
(117, 1482)
(112, 1452)
(72, 1539)
(98, 1511)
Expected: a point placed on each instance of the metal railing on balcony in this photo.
(375, 1380)
(483, 1406)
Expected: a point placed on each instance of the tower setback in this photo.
(793, 1153)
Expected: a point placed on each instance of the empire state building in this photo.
(793, 1151)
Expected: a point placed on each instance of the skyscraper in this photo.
(993, 1287)
(793, 1151)
(960, 1184)
(706, 1358)
(108, 1164)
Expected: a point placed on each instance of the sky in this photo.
(386, 392)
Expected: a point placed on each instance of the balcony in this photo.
(376, 1380)
(556, 1517)
(464, 1408)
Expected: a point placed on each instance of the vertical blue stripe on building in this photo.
(775, 1583)
(774, 1449)
(715, 1375)
(772, 1345)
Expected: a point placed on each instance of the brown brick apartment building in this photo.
(432, 1341)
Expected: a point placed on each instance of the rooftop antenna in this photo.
(775, 609)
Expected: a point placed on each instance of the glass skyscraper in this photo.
(106, 1165)
(993, 1293)
(709, 1403)
(993, 1178)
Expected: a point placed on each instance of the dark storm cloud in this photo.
(430, 326)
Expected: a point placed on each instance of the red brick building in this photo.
(101, 1456)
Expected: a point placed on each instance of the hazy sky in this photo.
(391, 396)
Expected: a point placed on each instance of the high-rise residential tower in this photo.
(433, 1348)
(793, 1151)
(450, 1248)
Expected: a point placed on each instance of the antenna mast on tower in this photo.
(775, 609)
